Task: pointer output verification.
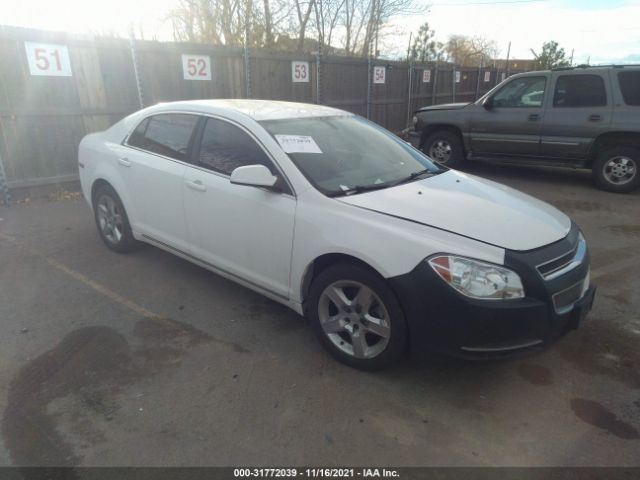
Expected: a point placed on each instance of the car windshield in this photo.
(344, 155)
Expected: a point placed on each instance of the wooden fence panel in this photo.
(344, 84)
(43, 118)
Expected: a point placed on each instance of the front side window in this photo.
(342, 155)
(166, 134)
(579, 91)
(630, 87)
(225, 147)
(521, 93)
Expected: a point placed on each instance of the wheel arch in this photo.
(612, 139)
(432, 128)
(322, 262)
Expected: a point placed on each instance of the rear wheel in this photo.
(616, 169)
(112, 221)
(357, 317)
(445, 147)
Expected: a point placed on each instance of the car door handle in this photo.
(125, 162)
(196, 185)
(534, 116)
(595, 118)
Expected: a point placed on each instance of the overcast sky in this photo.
(603, 31)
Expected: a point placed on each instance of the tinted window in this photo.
(521, 92)
(226, 147)
(168, 134)
(579, 91)
(630, 87)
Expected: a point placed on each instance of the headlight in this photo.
(415, 120)
(478, 279)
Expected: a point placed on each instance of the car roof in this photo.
(258, 110)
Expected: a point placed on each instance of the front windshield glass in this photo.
(342, 155)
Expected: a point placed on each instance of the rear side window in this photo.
(166, 134)
(630, 87)
(579, 91)
(226, 147)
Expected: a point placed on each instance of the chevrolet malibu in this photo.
(381, 249)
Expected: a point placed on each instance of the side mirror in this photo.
(254, 176)
(488, 103)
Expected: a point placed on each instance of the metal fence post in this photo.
(409, 93)
(3, 185)
(434, 86)
(136, 68)
(369, 74)
(318, 76)
(247, 70)
(453, 84)
(479, 75)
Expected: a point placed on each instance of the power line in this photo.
(498, 2)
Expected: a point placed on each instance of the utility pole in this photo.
(508, 53)
(409, 46)
(571, 60)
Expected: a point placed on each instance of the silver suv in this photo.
(584, 117)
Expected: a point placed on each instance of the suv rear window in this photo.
(630, 87)
(580, 91)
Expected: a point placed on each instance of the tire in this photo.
(616, 169)
(347, 332)
(112, 221)
(445, 148)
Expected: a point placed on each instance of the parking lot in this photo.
(146, 359)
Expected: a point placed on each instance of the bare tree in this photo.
(470, 51)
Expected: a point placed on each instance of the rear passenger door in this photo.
(152, 163)
(577, 112)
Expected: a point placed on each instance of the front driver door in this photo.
(513, 124)
(242, 230)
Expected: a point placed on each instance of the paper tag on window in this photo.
(298, 144)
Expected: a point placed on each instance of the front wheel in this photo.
(357, 317)
(616, 169)
(445, 147)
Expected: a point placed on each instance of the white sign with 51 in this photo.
(48, 60)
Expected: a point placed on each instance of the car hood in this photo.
(471, 206)
(444, 106)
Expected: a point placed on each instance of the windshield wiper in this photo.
(360, 189)
(415, 175)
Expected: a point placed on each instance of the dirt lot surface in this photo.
(146, 359)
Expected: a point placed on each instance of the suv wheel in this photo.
(112, 221)
(444, 147)
(616, 169)
(357, 317)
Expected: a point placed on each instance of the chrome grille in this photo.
(564, 300)
(560, 265)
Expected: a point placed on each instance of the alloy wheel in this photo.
(354, 319)
(440, 151)
(620, 170)
(110, 219)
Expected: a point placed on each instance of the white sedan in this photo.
(327, 213)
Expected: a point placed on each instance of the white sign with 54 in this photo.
(196, 67)
(48, 60)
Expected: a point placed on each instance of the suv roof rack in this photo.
(584, 66)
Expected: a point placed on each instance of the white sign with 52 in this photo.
(196, 67)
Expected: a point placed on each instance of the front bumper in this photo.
(440, 319)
